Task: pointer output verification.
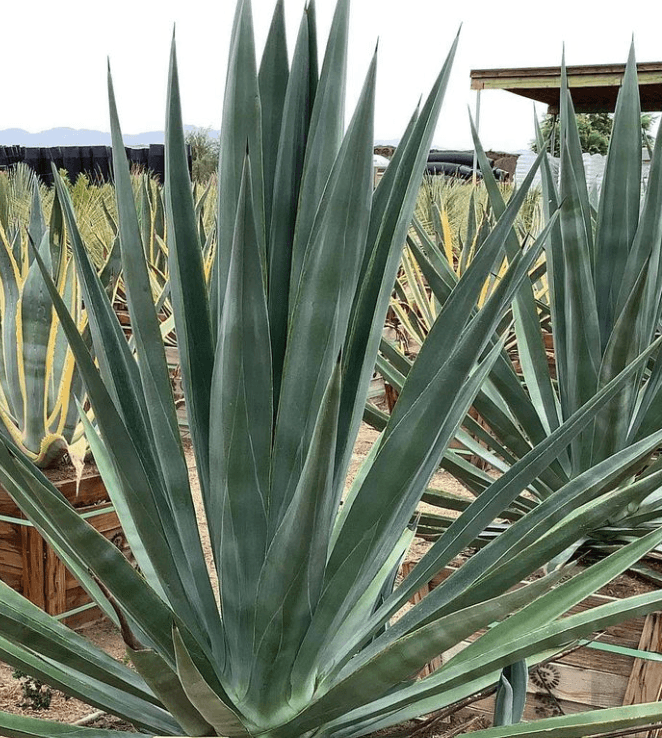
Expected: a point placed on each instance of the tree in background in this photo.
(204, 153)
(594, 131)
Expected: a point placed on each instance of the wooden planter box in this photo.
(29, 565)
(592, 677)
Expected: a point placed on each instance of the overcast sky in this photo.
(53, 57)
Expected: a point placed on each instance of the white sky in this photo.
(53, 57)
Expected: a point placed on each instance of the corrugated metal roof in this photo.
(594, 88)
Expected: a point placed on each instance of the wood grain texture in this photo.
(645, 683)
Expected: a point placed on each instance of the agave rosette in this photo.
(38, 379)
(277, 357)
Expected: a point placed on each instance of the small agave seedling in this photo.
(277, 358)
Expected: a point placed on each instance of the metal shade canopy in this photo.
(594, 88)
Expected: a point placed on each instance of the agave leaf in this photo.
(11, 282)
(359, 722)
(34, 320)
(323, 143)
(113, 484)
(240, 434)
(573, 158)
(18, 726)
(486, 508)
(166, 684)
(511, 694)
(366, 604)
(393, 205)
(578, 503)
(459, 306)
(370, 675)
(612, 425)
(552, 605)
(531, 349)
(287, 177)
(578, 378)
(320, 313)
(241, 126)
(37, 224)
(273, 83)
(188, 286)
(27, 626)
(593, 722)
(618, 215)
(75, 541)
(162, 426)
(97, 693)
(135, 446)
(365, 539)
(207, 701)
(461, 674)
(292, 577)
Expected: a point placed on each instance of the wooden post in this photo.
(33, 555)
(475, 177)
(645, 683)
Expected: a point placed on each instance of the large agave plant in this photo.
(277, 358)
(605, 304)
(39, 383)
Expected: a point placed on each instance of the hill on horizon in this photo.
(63, 136)
(79, 137)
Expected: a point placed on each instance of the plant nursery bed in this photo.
(621, 666)
(30, 566)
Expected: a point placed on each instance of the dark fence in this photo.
(459, 164)
(94, 161)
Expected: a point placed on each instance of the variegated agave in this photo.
(277, 358)
(39, 382)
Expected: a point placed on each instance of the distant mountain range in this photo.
(79, 137)
(86, 137)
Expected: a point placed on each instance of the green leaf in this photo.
(593, 722)
(195, 340)
(392, 208)
(297, 108)
(165, 683)
(18, 726)
(162, 426)
(273, 83)
(511, 694)
(292, 577)
(618, 215)
(320, 314)
(208, 703)
(324, 139)
(240, 438)
(34, 321)
(241, 126)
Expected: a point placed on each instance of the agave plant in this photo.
(277, 358)
(447, 231)
(605, 302)
(451, 221)
(39, 384)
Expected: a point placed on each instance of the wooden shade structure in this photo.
(594, 88)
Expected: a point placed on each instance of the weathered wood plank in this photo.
(645, 683)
